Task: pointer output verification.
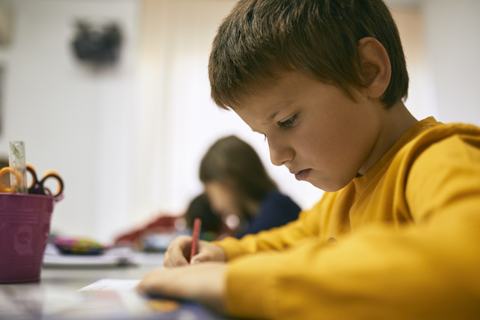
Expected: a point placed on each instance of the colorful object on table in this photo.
(78, 245)
(197, 224)
(38, 186)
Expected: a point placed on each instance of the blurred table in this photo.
(55, 297)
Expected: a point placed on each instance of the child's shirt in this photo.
(275, 210)
(400, 242)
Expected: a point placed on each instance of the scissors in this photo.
(36, 186)
(4, 188)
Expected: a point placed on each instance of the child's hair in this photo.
(234, 163)
(200, 207)
(318, 38)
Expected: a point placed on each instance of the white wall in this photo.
(452, 31)
(73, 120)
(442, 44)
(421, 94)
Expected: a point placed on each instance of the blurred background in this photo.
(127, 124)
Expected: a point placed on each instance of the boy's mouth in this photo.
(302, 175)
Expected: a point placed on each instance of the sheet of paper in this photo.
(111, 285)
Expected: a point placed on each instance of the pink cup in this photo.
(24, 230)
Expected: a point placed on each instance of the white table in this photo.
(55, 297)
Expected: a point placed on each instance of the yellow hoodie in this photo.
(400, 242)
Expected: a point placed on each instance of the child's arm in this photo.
(201, 282)
(311, 223)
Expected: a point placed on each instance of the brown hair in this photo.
(316, 37)
(234, 162)
(200, 207)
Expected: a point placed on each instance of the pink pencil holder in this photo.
(24, 231)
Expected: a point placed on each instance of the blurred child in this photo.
(397, 232)
(237, 183)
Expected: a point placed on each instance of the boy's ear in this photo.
(375, 67)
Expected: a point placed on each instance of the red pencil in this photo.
(197, 223)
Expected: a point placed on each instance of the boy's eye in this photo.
(289, 123)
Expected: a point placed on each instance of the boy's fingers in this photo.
(175, 257)
(201, 257)
(175, 261)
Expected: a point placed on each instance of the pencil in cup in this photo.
(197, 224)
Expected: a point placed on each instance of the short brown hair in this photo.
(316, 37)
(234, 162)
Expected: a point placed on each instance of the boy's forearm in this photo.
(274, 239)
(202, 282)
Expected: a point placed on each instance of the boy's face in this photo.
(314, 129)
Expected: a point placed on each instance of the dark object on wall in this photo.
(98, 46)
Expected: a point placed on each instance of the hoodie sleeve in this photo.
(307, 225)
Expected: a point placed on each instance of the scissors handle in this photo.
(52, 174)
(4, 188)
(38, 187)
(34, 182)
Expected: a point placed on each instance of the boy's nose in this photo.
(280, 153)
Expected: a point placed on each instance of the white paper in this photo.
(111, 285)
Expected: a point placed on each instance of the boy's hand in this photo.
(179, 251)
(202, 282)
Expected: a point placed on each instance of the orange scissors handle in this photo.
(38, 187)
(4, 188)
(32, 171)
(52, 174)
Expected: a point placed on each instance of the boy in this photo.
(397, 232)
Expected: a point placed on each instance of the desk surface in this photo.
(56, 297)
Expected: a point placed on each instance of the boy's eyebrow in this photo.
(271, 117)
(276, 112)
